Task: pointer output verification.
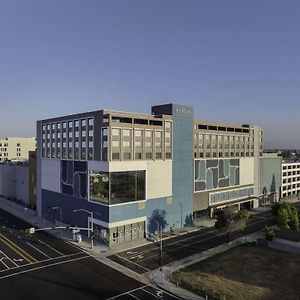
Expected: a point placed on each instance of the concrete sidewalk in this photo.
(163, 278)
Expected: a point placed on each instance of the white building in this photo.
(290, 178)
(16, 148)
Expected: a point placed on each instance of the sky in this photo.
(234, 61)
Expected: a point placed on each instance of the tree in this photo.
(293, 218)
(283, 218)
(230, 220)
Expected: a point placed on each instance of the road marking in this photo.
(51, 247)
(132, 262)
(17, 249)
(160, 293)
(9, 259)
(157, 297)
(38, 250)
(133, 296)
(126, 293)
(18, 260)
(1, 260)
(43, 267)
(42, 261)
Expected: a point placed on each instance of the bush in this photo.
(269, 233)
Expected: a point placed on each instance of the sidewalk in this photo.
(163, 278)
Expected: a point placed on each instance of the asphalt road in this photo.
(146, 258)
(41, 266)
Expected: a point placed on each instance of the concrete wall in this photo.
(270, 175)
(14, 182)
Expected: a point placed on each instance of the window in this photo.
(158, 155)
(137, 133)
(115, 144)
(91, 122)
(158, 134)
(115, 132)
(168, 135)
(91, 133)
(70, 124)
(76, 123)
(168, 145)
(158, 144)
(148, 134)
(138, 155)
(83, 122)
(64, 125)
(104, 131)
(137, 144)
(126, 144)
(115, 156)
(126, 132)
(168, 155)
(126, 155)
(99, 186)
(127, 186)
(148, 155)
(168, 124)
(148, 144)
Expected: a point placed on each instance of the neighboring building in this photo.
(138, 171)
(18, 181)
(290, 179)
(16, 148)
(270, 178)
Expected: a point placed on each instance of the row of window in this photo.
(291, 173)
(69, 124)
(215, 137)
(140, 156)
(223, 154)
(292, 186)
(291, 179)
(138, 144)
(291, 167)
(139, 133)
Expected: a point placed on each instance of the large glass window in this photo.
(99, 187)
(127, 186)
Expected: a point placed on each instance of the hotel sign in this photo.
(183, 110)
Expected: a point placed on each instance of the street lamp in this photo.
(91, 235)
(161, 250)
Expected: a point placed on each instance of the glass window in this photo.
(126, 155)
(76, 123)
(168, 135)
(91, 122)
(158, 155)
(104, 131)
(168, 155)
(127, 186)
(99, 186)
(83, 122)
(126, 132)
(138, 155)
(137, 132)
(70, 124)
(126, 144)
(158, 134)
(148, 133)
(158, 144)
(115, 144)
(115, 132)
(148, 155)
(115, 156)
(168, 124)
(138, 144)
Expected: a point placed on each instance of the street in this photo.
(41, 266)
(146, 258)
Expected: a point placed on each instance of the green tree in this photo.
(293, 218)
(283, 218)
(230, 220)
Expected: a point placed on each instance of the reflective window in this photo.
(99, 186)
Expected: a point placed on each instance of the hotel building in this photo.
(138, 171)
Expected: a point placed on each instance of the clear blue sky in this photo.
(234, 61)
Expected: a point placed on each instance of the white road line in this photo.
(43, 267)
(41, 261)
(1, 260)
(157, 297)
(9, 259)
(163, 292)
(50, 247)
(132, 262)
(133, 296)
(38, 250)
(126, 293)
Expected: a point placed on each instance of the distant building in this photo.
(16, 148)
(290, 178)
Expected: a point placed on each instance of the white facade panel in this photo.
(51, 175)
(246, 170)
(119, 166)
(159, 179)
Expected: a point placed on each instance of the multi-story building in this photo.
(16, 148)
(290, 179)
(136, 172)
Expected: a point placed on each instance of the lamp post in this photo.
(91, 229)
(161, 251)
